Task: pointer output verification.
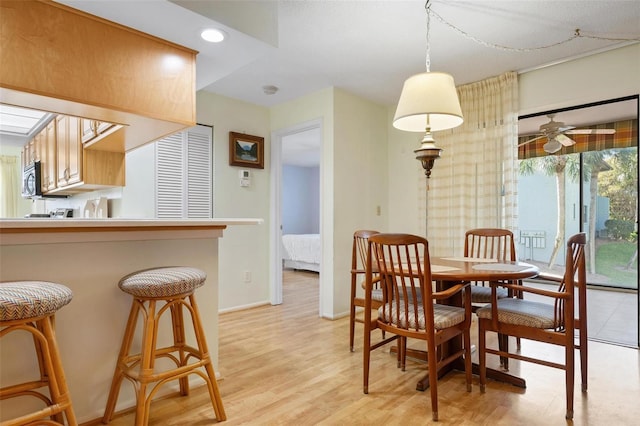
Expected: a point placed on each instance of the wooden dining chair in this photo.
(491, 243)
(553, 322)
(411, 309)
(358, 266)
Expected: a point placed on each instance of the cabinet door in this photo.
(74, 156)
(62, 142)
(89, 129)
(69, 150)
(49, 164)
(30, 151)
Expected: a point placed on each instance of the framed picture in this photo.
(246, 150)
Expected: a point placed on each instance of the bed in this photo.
(301, 251)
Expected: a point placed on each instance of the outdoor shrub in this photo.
(619, 229)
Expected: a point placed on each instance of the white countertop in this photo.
(35, 223)
(48, 231)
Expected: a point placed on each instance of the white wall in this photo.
(607, 75)
(353, 179)
(405, 178)
(242, 248)
(360, 182)
(300, 200)
(316, 106)
(139, 195)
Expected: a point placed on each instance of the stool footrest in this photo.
(25, 389)
(134, 373)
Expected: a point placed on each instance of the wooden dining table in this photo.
(447, 271)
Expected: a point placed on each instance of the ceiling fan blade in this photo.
(565, 140)
(564, 129)
(591, 131)
(531, 140)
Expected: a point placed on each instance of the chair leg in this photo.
(366, 356)
(118, 375)
(503, 345)
(467, 357)
(177, 322)
(214, 391)
(352, 315)
(569, 376)
(352, 327)
(58, 384)
(147, 362)
(482, 356)
(584, 359)
(433, 377)
(42, 352)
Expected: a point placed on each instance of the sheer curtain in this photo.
(9, 185)
(474, 183)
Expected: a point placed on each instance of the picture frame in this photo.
(246, 150)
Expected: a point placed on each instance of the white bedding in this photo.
(302, 251)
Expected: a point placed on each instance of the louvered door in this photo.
(184, 170)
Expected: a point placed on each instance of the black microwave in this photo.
(32, 180)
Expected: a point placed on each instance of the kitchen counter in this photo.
(44, 230)
(90, 256)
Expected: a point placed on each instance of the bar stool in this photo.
(174, 286)
(31, 306)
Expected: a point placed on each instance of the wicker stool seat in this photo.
(155, 292)
(31, 306)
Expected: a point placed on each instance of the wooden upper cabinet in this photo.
(59, 59)
(69, 150)
(49, 157)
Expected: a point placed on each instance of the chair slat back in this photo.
(360, 248)
(575, 276)
(490, 243)
(403, 264)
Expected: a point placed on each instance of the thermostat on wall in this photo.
(245, 178)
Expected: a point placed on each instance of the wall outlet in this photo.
(247, 276)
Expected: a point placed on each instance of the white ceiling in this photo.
(368, 47)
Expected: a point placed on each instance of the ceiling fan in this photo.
(556, 133)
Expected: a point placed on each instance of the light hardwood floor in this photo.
(282, 365)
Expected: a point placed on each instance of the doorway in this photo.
(296, 153)
(589, 184)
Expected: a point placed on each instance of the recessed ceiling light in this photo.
(212, 35)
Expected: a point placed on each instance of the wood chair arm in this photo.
(445, 294)
(549, 277)
(374, 281)
(539, 291)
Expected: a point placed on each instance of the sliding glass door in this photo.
(590, 184)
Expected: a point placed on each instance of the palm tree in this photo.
(593, 164)
(554, 165)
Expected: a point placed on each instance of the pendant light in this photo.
(428, 102)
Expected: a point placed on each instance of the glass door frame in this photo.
(581, 165)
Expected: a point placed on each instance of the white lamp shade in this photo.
(430, 94)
